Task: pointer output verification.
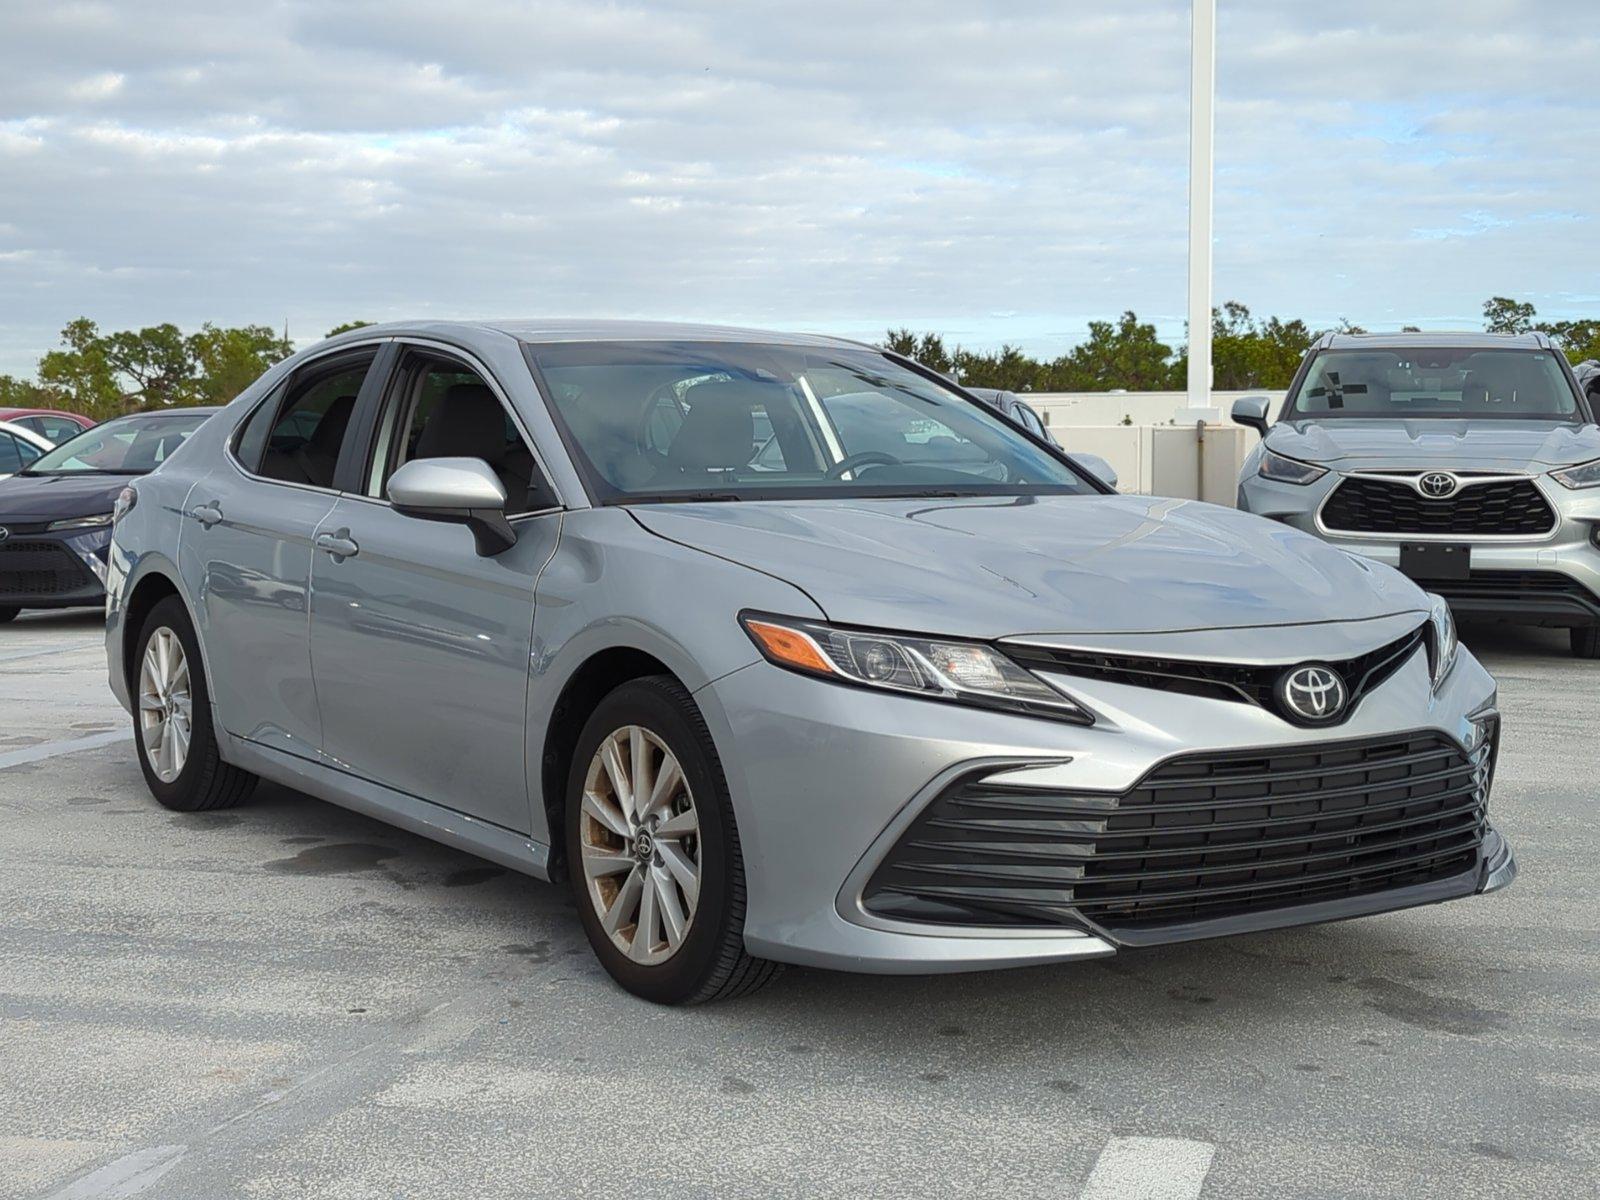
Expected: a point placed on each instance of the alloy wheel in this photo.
(639, 836)
(166, 705)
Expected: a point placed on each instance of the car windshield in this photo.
(1457, 382)
(662, 421)
(126, 446)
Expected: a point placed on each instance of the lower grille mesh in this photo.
(40, 568)
(1200, 837)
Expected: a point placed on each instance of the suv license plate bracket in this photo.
(1436, 561)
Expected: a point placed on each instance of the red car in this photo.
(49, 423)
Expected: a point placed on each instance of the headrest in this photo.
(468, 422)
(719, 430)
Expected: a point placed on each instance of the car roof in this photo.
(7, 414)
(547, 330)
(1465, 338)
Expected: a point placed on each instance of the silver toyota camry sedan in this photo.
(1469, 461)
(781, 649)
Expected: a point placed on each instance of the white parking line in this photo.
(1149, 1168)
(30, 754)
(127, 1176)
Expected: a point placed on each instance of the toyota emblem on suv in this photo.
(1438, 484)
(4, 533)
(1314, 694)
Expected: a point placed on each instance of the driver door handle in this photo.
(208, 514)
(338, 545)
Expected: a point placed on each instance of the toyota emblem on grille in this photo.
(1314, 694)
(1438, 484)
(4, 533)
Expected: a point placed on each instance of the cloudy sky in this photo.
(997, 172)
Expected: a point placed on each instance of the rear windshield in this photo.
(127, 446)
(1444, 382)
(663, 421)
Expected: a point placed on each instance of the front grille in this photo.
(1508, 507)
(40, 568)
(1200, 837)
(1244, 683)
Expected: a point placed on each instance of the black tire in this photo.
(711, 963)
(7, 613)
(205, 781)
(1586, 641)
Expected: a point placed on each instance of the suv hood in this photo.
(1011, 566)
(1510, 445)
(33, 499)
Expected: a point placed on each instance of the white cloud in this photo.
(999, 174)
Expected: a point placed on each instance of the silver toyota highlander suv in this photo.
(913, 693)
(1469, 461)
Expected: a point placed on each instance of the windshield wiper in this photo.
(679, 498)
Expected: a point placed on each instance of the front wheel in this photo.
(653, 850)
(1586, 642)
(177, 745)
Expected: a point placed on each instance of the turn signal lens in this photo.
(789, 647)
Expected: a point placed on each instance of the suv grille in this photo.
(40, 568)
(1200, 837)
(1511, 506)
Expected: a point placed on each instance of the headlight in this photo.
(1288, 470)
(1584, 475)
(94, 522)
(962, 672)
(1442, 643)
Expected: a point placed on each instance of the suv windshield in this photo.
(126, 446)
(1455, 382)
(736, 421)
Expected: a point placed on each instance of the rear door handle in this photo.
(338, 545)
(208, 514)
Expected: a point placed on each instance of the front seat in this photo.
(316, 459)
(718, 432)
(468, 422)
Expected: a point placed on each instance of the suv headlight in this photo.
(98, 521)
(1584, 475)
(1442, 642)
(1288, 470)
(960, 672)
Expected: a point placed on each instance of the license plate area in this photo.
(1436, 561)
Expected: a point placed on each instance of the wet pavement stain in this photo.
(468, 876)
(1441, 1014)
(340, 858)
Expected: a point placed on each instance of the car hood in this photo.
(1439, 443)
(990, 568)
(29, 499)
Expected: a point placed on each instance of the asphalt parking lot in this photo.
(289, 1000)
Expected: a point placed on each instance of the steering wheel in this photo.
(867, 458)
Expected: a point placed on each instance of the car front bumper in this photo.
(1553, 579)
(65, 569)
(826, 779)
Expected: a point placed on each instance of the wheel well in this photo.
(590, 684)
(149, 592)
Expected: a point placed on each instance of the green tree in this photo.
(223, 362)
(1121, 354)
(1504, 315)
(349, 325)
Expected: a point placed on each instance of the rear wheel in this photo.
(177, 745)
(7, 613)
(1586, 642)
(653, 850)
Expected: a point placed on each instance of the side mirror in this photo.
(1098, 467)
(1251, 412)
(463, 490)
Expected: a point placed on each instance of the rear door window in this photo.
(310, 425)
